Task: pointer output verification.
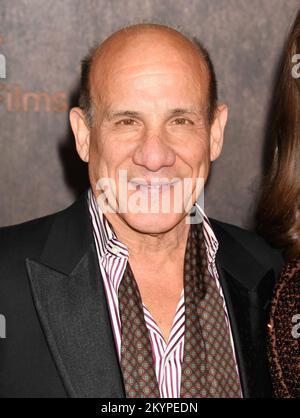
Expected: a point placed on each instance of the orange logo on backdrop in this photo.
(15, 99)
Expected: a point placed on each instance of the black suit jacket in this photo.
(59, 341)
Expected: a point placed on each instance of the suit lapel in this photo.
(247, 287)
(70, 300)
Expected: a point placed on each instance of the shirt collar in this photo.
(108, 242)
(110, 245)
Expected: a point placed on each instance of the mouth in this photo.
(146, 186)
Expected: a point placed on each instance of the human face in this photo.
(151, 122)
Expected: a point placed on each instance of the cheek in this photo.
(196, 154)
(100, 147)
(204, 158)
(98, 158)
(203, 169)
(108, 155)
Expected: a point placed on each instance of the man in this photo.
(102, 300)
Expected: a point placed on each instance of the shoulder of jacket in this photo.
(251, 241)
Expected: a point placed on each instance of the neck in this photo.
(162, 246)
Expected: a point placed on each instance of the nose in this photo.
(154, 153)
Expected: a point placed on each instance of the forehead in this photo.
(147, 61)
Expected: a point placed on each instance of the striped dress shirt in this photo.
(113, 257)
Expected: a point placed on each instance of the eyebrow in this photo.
(183, 111)
(134, 114)
(130, 113)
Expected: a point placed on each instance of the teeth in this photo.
(153, 186)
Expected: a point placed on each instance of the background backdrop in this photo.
(41, 45)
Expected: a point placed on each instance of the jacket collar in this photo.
(70, 300)
(70, 237)
(247, 286)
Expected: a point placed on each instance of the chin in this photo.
(152, 223)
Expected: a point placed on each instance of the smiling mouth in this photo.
(145, 186)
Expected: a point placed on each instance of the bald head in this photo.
(148, 95)
(137, 46)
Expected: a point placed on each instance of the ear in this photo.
(217, 131)
(81, 133)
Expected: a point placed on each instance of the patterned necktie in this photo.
(208, 368)
(136, 352)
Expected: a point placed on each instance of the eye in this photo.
(182, 121)
(126, 122)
